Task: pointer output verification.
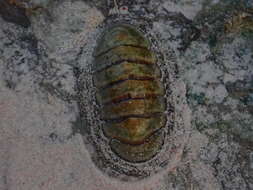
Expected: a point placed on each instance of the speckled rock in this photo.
(40, 134)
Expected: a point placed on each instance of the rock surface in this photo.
(40, 145)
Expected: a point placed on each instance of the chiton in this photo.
(130, 93)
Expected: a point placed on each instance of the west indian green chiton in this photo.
(130, 93)
(126, 101)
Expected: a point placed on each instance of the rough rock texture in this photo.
(40, 145)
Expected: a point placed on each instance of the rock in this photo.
(43, 54)
(13, 13)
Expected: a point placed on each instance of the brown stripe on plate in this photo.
(122, 34)
(128, 96)
(124, 53)
(135, 88)
(134, 107)
(142, 152)
(126, 70)
(134, 130)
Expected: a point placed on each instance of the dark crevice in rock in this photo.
(14, 14)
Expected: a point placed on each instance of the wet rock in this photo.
(13, 13)
(216, 16)
(241, 90)
(19, 54)
(41, 61)
(64, 28)
(182, 179)
(226, 158)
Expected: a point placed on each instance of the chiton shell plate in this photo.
(130, 93)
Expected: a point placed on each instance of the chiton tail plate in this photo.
(130, 94)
